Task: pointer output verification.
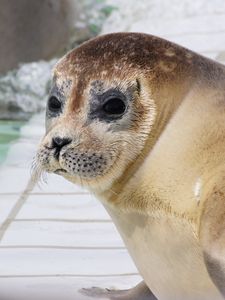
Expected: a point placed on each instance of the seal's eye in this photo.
(114, 106)
(54, 104)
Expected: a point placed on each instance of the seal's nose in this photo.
(58, 143)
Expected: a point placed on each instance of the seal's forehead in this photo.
(118, 50)
(103, 51)
(123, 56)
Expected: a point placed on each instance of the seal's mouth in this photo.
(59, 171)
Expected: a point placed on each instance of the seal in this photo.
(140, 122)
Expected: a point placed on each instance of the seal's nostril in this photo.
(58, 142)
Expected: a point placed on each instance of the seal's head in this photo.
(100, 109)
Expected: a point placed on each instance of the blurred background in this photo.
(55, 238)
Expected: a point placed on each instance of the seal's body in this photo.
(141, 122)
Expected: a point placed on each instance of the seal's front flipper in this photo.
(139, 292)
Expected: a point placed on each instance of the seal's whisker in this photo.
(37, 173)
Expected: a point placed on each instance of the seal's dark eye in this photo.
(54, 104)
(114, 106)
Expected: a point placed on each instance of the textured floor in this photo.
(56, 238)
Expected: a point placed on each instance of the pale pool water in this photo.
(9, 132)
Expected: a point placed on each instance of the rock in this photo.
(31, 30)
(24, 91)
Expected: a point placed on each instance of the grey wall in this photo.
(33, 29)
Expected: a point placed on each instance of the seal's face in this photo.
(97, 119)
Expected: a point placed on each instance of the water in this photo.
(9, 131)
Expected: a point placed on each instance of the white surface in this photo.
(65, 207)
(59, 287)
(59, 238)
(57, 234)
